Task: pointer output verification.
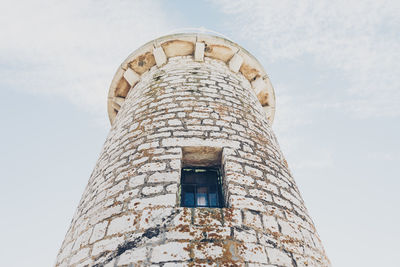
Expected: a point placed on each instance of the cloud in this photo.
(73, 48)
(358, 39)
(385, 156)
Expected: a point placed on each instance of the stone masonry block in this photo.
(253, 171)
(172, 251)
(278, 257)
(205, 216)
(156, 217)
(258, 85)
(99, 231)
(105, 213)
(122, 224)
(208, 250)
(241, 202)
(82, 239)
(159, 56)
(150, 190)
(137, 180)
(237, 177)
(80, 255)
(253, 253)
(106, 245)
(290, 230)
(161, 177)
(247, 236)
(232, 217)
(133, 256)
(235, 63)
(131, 76)
(270, 224)
(253, 220)
(199, 52)
(260, 194)
(153, 166)
(168, 200)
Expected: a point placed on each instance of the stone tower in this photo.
(191, 173)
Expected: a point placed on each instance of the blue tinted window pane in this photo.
(190, 177)
(201, 178)
(202, 199)
(188, 196)
(213, 196)
(213, 200)
(200, 187)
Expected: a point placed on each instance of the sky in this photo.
(335, 67)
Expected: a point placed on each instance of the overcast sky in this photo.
(335, 67)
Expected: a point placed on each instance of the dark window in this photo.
(201, 187)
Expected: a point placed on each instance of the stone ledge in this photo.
(157, 52)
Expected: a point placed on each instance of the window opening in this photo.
(201, 187)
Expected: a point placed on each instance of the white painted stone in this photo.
(260, 194)
(159, 177)
(233, 167)
(116, 106)
(290, 229)
(66, 250)
(153, 166)
(106, 245)
(119, 100)
(139, 160)
(99, 231)
(172, 251)
(161, 200)
(133, 256)
(270, 224)
(249, 236)
(258, 85)
(126, 195)
(175, 164)
(137, 180)
(150, 190)
(173, 188)
(241, 202)
(279, 257)
(207, 251)
(155, 217)
(105, 213)
(159, 56)
(148, 145)
(80, 255)
(122, 224)
(252, 220)
(254, 253)
(282, 202)
(116, 188)
(131, 76)
(82, 239)
(236, 189)
(199, 52)
(253, 171)
(237, 177)
(174, 122)
(235, 63)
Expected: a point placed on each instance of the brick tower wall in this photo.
(130, 211)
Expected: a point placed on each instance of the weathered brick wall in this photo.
(130, 213)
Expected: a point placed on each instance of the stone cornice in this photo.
(157, 52)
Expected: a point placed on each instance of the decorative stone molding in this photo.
(235, 63)
(157, 52)
(199, 52)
